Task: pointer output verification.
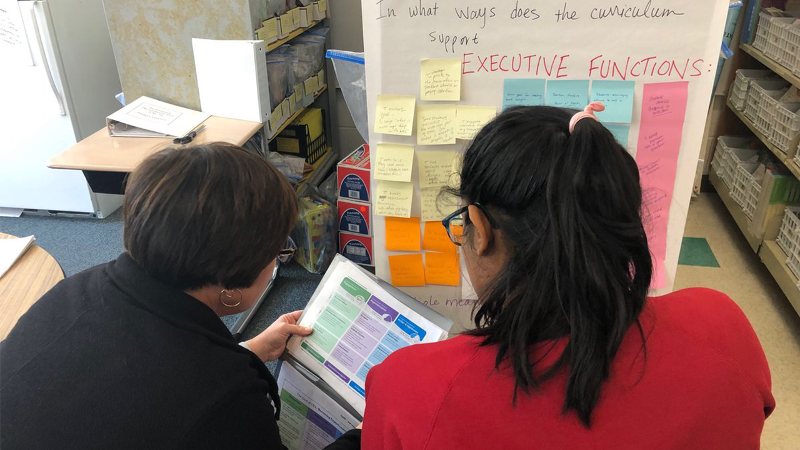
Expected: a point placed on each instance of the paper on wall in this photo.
(440, 79)
(470, 120)
(394, 162)
(437, 168)
(395, 114)
(407, 270)
(393, 198)
(436, 124)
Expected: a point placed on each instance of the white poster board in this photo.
(645, 41)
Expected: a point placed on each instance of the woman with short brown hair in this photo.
(132, 353)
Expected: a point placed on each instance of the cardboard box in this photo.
(352, 176)
(356, 248)
(355, 217)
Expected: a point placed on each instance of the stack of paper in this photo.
(147, 117)
(11, 250)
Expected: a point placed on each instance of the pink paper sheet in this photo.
(660, 132)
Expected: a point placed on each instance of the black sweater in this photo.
(112, 358)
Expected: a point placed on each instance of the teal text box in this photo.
(322, 339)
(620, 133)
(568, 93)
(345, 307)
(617, 97)
(523, 92)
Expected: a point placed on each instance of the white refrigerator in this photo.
(58, 79)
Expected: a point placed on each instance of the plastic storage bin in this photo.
(725, 145)
(786, 126)
(743, 180)
(350, 71)
(759, 89)
(789, 233)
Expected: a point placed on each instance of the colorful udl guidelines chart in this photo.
(358, 321)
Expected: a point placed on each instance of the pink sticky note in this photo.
(659, 279)
(660, 132)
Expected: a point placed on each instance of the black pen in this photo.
(189, 137)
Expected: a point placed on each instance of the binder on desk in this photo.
(232, 78)
(147, 117)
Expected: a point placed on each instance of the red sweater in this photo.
(705, 385)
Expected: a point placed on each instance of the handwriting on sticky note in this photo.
(523, 92)
(435, 238)
(407, 270)
(403, 234)
(470, 120)
(394, 114)
(568, 93)
(394, 162)
(617, 97)
(394, 198)
(436, 124)
(440, 79)
(437, 204)
(442, 268)
(436, 168)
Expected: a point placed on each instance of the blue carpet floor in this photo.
(78, 244)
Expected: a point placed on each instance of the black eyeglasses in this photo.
(454, 223)
(285, 255)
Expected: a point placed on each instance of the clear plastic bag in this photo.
(277, 7)
(349, 67)
(278, 78)
(316, 231)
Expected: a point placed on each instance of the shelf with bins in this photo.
(297, 114)
(273, 46)
(772, 65)
(788, 162)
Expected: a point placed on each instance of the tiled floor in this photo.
(746, 280)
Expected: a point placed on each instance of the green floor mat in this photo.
(697, 252)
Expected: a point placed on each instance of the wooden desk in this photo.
(106, 160)
(35, 273)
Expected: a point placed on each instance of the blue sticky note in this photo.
(523, 92)
(617, 97)
(568, 93)
(620, 132)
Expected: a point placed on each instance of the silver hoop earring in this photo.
(230, 296)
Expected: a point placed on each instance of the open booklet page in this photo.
(357, 324)
(310, 419)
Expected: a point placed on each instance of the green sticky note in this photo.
(334, 322)
(568, 93)
(617, 97)
(697, 252)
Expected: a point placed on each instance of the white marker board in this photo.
(646, 41)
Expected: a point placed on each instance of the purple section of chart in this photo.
(320, 421)
(347, 357)
(337, 372)
(372, 325)
(382, 309)
(360, 341)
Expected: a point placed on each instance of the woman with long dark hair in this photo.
(567, 350)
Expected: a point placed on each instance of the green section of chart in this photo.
(355, 289)
(322, 339)
(334, 322)
(313, 353)
(345, 307)
(292, 401)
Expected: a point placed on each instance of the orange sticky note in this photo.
(402, 234)
(442, 268)
(407, 270)
(436, 238)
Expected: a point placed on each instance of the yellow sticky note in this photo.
(436, 124)
(271, 29)
(394, 198)
(440, 79)
(402, 234)
(470, 120)
(394, 162)
(395, 114)
(442, 268)
(296, 17)
(407, 270)
(436, 168)
(437, 204)
(311, 85)
(436, 239)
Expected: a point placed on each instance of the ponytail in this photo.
(568, 205)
